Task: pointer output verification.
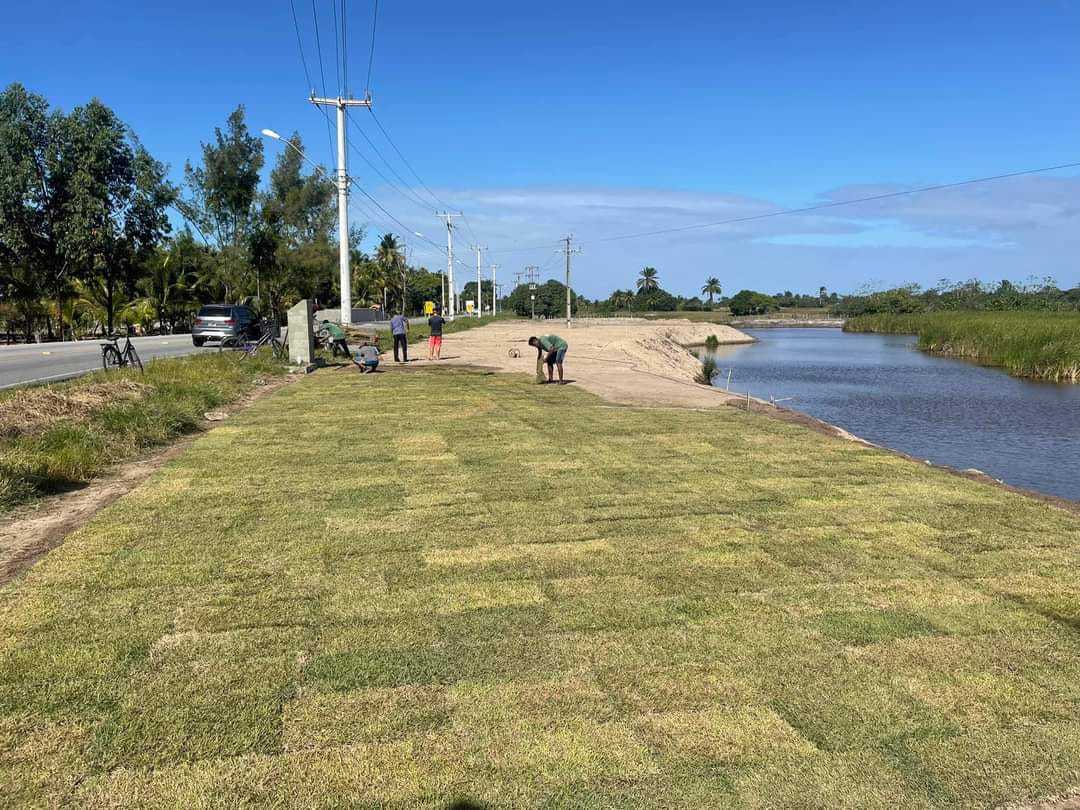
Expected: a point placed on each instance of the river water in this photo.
(947, 411)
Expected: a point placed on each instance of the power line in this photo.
(413, 196)
(839, 203)
(300, 45)
(385, 179)
(371, 52)
(337, 55)
(318, 45)
(344, 50)
(322, 75)
(390, 141)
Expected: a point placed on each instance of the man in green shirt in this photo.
(555, 348)
(337, 338)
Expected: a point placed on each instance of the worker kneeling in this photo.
(366, 359)
(554, 347)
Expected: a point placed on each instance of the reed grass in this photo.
(1038, 345)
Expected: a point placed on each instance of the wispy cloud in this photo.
(1011, 228)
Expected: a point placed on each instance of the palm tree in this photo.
(711, 288)
(622, 298)
(648, 280)
(391, 261)
(166, 290)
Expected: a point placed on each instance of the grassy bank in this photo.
(524, 596)
(1041, 345)
(56, 436)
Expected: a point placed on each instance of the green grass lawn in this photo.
(54, 437)
(401, 589)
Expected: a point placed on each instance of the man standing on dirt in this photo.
(555, 349)
(434, 346)
(399, 328)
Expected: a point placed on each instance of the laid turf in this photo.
(403, 589)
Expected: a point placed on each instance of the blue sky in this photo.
(603, 119)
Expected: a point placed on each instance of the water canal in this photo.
(947, 411)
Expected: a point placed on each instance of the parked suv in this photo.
(217, 321)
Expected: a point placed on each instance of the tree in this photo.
(711, 288)
(292, 249)
(32, 201)
(79, 199)
(655, 300)
(167, 286)
(391, 263)
(622, 299)
(648, 280)
(223, 192)
(468, 293)
(422, 285)
(749, 302)
(550, 299)
(116, 201)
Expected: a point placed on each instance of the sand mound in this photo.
(629, 361)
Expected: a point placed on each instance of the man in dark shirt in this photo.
(399, 328)
(434, 346)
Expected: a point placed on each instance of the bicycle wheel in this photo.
(131, 358)
(110, 357)
(229, 342)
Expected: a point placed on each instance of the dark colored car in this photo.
(217, 321)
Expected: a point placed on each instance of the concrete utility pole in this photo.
(568, 250)
(532, 273)
(494, 291)
(479, 294)
(449, 217)
(343, 197)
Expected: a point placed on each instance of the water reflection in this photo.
(948, 411)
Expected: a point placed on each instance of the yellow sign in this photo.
(429, 307)
(470, 307)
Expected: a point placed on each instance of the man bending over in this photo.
(554, 347)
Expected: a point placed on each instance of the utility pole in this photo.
(479, 295)
(494, 291)
(532, 273)
(568, 250)
(405, 281)
(343, 197)
(450, 257)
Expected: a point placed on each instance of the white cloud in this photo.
(1012, 228)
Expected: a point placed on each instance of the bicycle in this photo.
(250, 347)
(112, 356)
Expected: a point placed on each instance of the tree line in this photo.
(94, 236)
(649, 296)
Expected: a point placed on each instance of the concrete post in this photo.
(301, 334)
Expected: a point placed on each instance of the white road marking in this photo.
(66, 374)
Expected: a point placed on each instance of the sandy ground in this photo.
(623, 361)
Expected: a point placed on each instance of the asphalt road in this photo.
(46, 362)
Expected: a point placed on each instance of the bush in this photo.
(709, 369)
(655, 301)
(749, 302)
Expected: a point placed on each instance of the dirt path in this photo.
(626, 362)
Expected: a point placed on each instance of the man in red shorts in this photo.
(434, 346)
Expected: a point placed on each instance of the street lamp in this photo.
(343, 230)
